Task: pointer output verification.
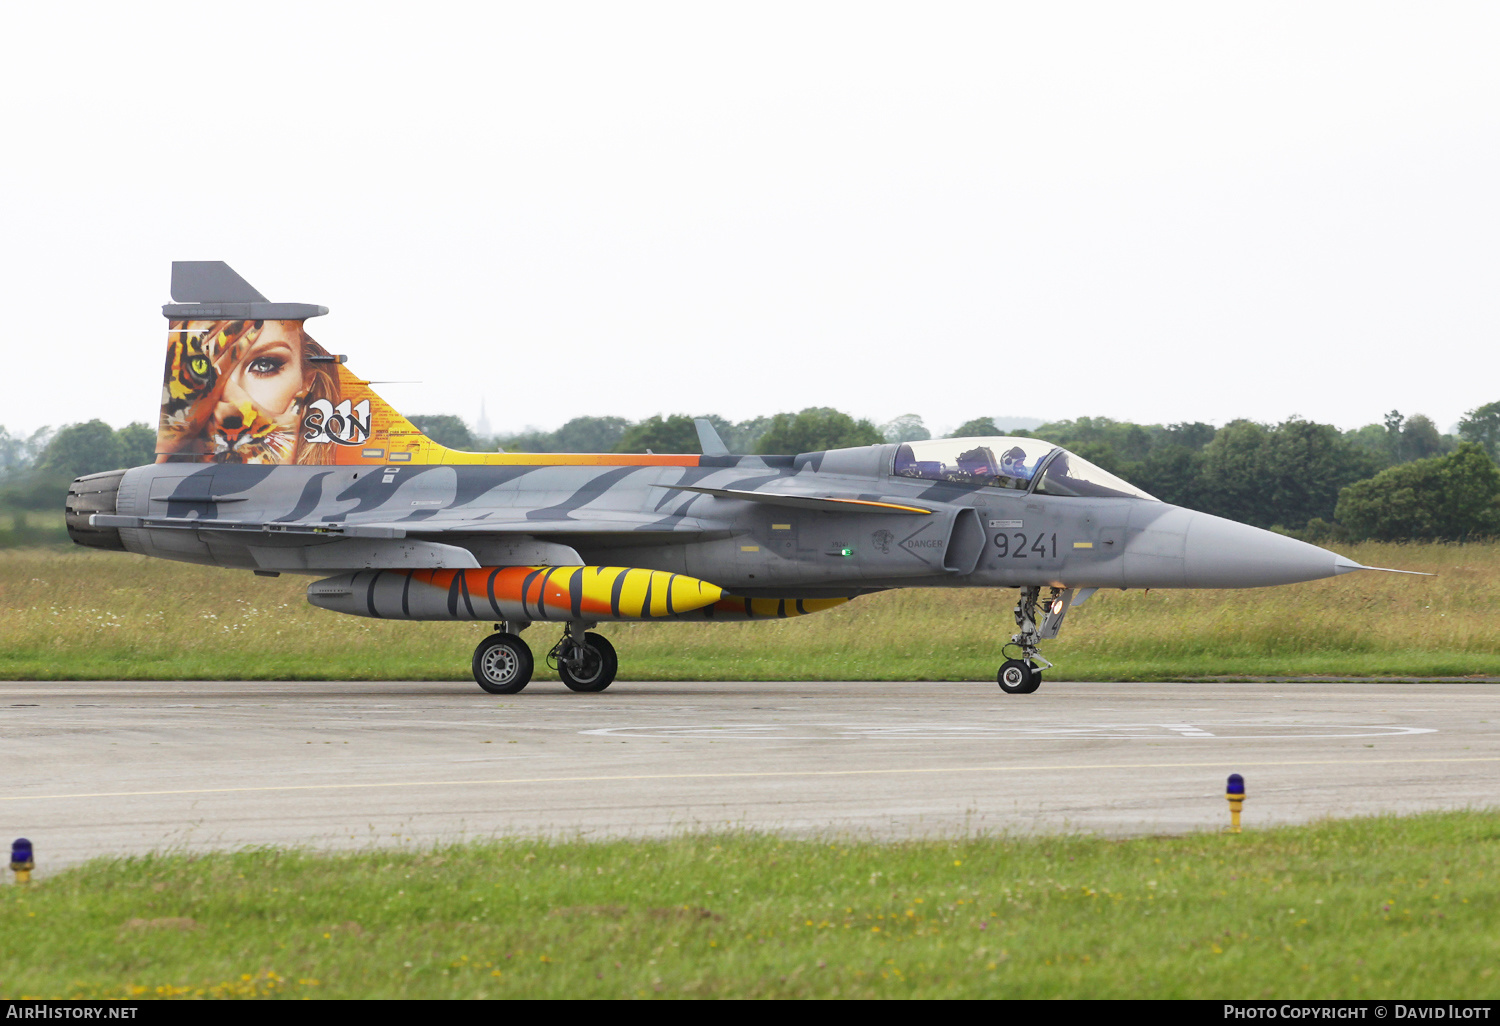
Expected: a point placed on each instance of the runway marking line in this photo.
(741, 776)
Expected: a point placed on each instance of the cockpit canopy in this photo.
(1002, 462)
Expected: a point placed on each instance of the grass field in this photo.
(1387, 907)
(88, 614)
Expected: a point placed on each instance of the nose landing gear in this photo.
(1019, 677)
(1023, 675)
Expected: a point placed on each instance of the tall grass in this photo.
(1369, 908)
(85, 614)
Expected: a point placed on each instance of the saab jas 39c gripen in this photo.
(273, 457)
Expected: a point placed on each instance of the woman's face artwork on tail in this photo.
(235, 391)
(256, 417)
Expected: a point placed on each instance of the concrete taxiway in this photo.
(99, 767)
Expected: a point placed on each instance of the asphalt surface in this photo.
(100, 768)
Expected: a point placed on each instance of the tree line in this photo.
(810, 430)
(35, 470)
(1400, 479)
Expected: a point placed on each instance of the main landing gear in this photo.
(1023, 675)
(585, 661)
(503, 663)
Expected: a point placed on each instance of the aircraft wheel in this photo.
(598, 669)
(1018, 677)
(503, 664)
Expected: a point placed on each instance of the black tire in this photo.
(1018, 677)
(598, 670)
(503, 664)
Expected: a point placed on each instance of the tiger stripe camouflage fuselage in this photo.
(273, 456)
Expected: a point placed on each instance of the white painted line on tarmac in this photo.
(910, 771)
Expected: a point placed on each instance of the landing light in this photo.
(1057, 606)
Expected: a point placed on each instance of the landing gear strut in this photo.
(1023, 675)
(585, 661)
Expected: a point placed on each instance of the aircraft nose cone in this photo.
(1220, 553)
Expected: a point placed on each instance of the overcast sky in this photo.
(1153, 212)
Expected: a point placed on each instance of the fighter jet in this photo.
(273, 457)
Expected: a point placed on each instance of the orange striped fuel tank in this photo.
(600, 593)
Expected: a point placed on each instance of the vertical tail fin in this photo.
(245, 383)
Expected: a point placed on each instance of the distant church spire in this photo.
(482, 426)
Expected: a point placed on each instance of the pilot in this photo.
(1013, 464)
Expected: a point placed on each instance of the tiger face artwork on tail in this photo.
(190, 374)
(238, 391)
(245, 435)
